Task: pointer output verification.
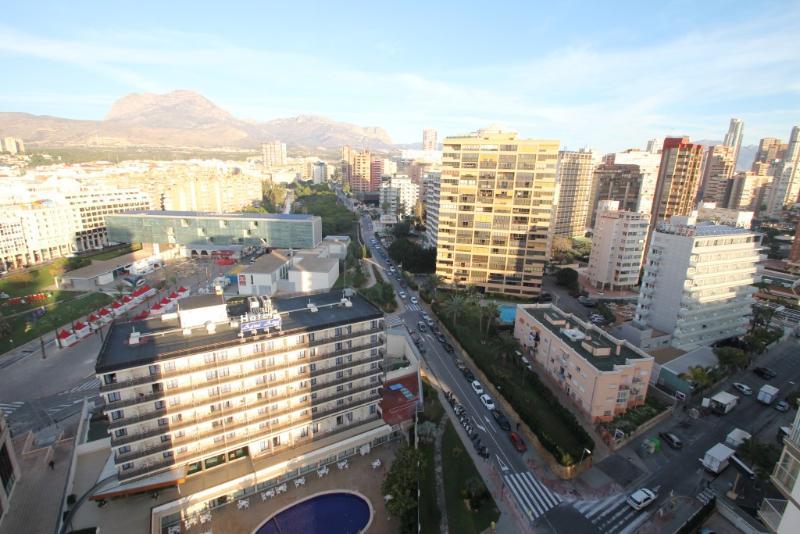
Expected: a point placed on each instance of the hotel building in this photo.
(495, 209)
(698, 282)
(603, 375)
(617, 247)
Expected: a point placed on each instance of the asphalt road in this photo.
(532, 498)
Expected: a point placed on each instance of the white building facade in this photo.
(698, 282)
(432, 180)
(399, 194)
(617, 247)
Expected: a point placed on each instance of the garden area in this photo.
(636, 417)
(472, 322)
(381, 294)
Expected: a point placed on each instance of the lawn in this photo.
(432, 408)
(636, 417)
(458, 468)
(58, 314)
(109, 254)
(428, 510)
(556, 427)
(34, 281)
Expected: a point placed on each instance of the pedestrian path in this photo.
(89, 384)
(612, 514)
(10, 407)
(413, 307)
(393, 320)
(533, 497)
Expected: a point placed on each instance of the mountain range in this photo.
(747, 153)
(185, 118)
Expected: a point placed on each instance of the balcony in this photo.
(104, 388)
(771, 512)
(126, 421)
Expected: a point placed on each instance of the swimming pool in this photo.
(330, 513)
(508, 312)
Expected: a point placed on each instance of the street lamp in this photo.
(583, 453)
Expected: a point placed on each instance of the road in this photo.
(532, 498)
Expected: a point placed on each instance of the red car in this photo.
(517, 442)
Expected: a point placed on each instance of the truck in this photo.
(736, 438)
(717, 458)
(767, 394)
(723, 402)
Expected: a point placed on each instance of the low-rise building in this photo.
(603, 375)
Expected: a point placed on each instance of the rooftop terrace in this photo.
(591, 343)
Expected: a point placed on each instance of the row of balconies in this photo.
(224, 429)
(156, 413)
(232, 377)
(298, 442)
(161, 374)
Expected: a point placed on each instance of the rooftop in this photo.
(200, 301)
(267, 263)
(163, 339)
(588, 341)
(399, 399)
(315, 265)
(100, 267)
(212, 215)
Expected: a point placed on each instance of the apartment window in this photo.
(159, 405)
(174, 401)
(313, 381)
(372, 409)
(218, 439)
(304, 432)
(180, 434)
(349, 358)
(208, 358)
(339, 374)
(339, 420)
(182, 450)
(172, 384)
(373, 378)
(339, 402)
(122, 432)
(116, 415)
(339, 388)
(113, 397)
(169, 366)
(164, 438)
(127, 465)
(125, 449)
(261, 364)
(163, 421)
(315, 428)
(177, 418)
(349, 416)
(339, 359)
(211, 375)
(313, 367)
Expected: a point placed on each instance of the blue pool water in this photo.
(507, 313)
(332, 513)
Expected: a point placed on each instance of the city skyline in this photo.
(595, 84)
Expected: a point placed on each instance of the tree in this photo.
(561, 244)
(567, 277)
(697, 375)
(456, 305)
(732, 359)
(762, 317)
(401, 484)
(506, 343)
(488, 309)
(402, 228)
(433, 283)
(474, 490)
(762, 457)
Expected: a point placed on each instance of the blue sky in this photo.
(586, 74)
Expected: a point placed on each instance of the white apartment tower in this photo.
(786, 183)
(698, 281)
(399, 194)
(431, 182)
(273, 154)
(733, 138)
(574, 179)
(617, 247)
(429, 139)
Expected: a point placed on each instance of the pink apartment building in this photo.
(603, 375)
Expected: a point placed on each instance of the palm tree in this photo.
(698, 375)
(456, 305)
(433, 283)
(506, 344)
(491, 311)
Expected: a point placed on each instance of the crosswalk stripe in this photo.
(11, 407)
(618, 517)
(89, 384)
(535, 496)
(609, 503)
(522, 498)
(551, 497)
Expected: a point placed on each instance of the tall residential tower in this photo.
(574, 178)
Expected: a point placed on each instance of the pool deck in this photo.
(360, 478)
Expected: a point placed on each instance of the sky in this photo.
(585, 73)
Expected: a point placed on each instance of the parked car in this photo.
(468, 375)
(413, 300)
(516, 440)
(477, 387)
(421, 326)
(744, 389)
(545, 297)
(440, 338)
(782, 406)
(402, 295)
(671, 439)
(501, 420)
(765, 372)
(641, 498)
(487, 402)
(448, 347)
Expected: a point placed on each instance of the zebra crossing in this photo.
(393, 320)
(612, 514)
(92, 383)
(10, 407)
(413, 307)
(533, 497)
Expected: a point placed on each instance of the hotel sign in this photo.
(253, 322)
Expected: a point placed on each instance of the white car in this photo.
(641, 498)
(477, 387)
(413, 300)
(402, 295)
(487, 402)
(744, 389)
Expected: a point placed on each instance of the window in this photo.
(113, 397)
(159, 405)
(116, 415)
(164, 438)
(372, 409)
(174, 401)
(164, 421)
(127, 465)
(124, 449)
(169, 366)
(172, 384)
(122, 432)
(339, 420)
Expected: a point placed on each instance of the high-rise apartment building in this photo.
(628, 177)
(319, 172)
(273, 154)
(12, 145)
(9, 468)
(733, 139)
(618, 244)
(698, 282)
(574, 191)
(375, 173)
(495, 209)
(399, 195)
(678, 181)
(782, 516)
(786, 184)
(296, 380)
(718, 170)
(748, 191)
(361, 172)
(769, 150)
(429, 139)
(431, 186)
